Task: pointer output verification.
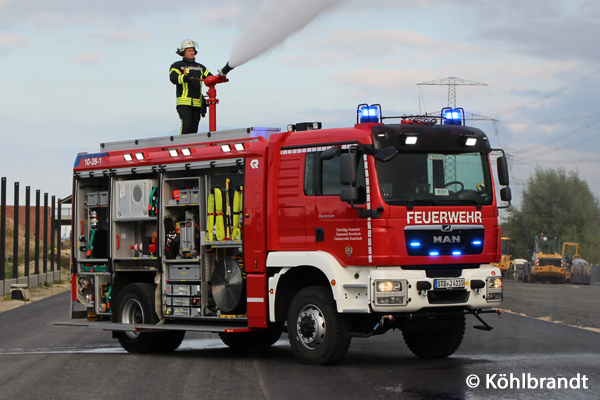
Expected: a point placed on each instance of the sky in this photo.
(80, 73)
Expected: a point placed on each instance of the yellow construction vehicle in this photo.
(569, 259)
(548, 264)
(505, 263)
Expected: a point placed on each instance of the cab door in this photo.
(339, 229)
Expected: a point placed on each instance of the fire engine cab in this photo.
(326, 234)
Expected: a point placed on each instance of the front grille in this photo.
(443, 273)
(550, 261)
(447, 296)
(433, 240)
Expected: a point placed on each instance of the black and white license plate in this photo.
(457, 283)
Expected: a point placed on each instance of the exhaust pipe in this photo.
(225, 69)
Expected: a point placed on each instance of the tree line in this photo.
(556, 203)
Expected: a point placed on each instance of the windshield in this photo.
(436, 179)
(547, 245)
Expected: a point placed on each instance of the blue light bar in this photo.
(369, 113)
(476, 243)
(415, 244)
(434, 253)
(453, 116)
(456, 253)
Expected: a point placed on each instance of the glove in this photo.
(191, 79)
(203, 108)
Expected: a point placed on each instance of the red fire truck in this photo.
(326, 234)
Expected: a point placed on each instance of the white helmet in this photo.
(186, 44)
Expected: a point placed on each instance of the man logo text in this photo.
(446, 239)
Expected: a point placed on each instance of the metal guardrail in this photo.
(47, 262)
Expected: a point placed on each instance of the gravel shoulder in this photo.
(38, 293)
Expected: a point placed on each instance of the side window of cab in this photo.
(322, 177)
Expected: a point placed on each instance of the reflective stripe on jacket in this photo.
(188, 93)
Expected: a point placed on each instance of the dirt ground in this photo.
(37, 293)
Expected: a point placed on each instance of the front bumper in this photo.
(418, 292)
(549, 271)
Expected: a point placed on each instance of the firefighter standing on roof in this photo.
(186, 75)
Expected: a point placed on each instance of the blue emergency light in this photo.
(453, 116)
(368, 113)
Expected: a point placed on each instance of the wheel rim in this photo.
(132, 313)
(311, 327)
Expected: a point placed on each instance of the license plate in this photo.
(449, 283)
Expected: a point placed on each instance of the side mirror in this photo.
(502, 171)
(387, 154)
(349, 194)
(348, 169)
(506, 194)
(331, 153)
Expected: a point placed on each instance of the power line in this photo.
(552, 121)
(554, 93)
(543, 153)
(563, 136)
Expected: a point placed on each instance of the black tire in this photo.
(318, 335)
(250, 340)
(436, 343)
(135, 305)
(170, 341)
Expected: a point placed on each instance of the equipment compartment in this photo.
(133, 198)
(185, 312)
(183, 290)
(185, 272)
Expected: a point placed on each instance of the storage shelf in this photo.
(228, 243)
(136, 259)
(136, 219)
(93, 273)
(182, 260)
(121, 269)
(93, 260)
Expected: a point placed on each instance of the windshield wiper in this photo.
(415, 202)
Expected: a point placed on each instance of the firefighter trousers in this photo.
(190, 118)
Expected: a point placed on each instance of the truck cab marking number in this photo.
(92, 161)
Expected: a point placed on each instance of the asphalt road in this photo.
(576, 305)
(40, 360)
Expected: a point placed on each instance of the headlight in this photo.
(494, 289)
(494, 283)
(389, 286)
(390, 292)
